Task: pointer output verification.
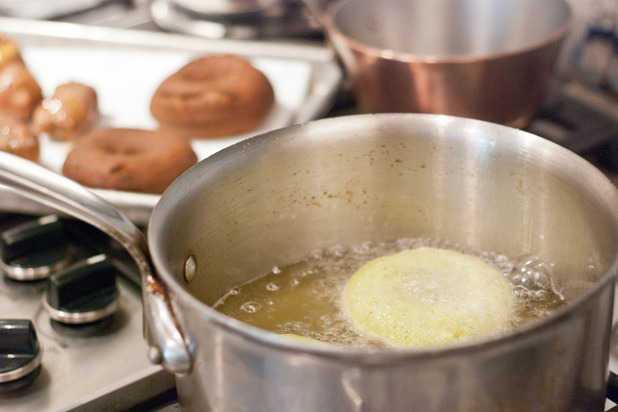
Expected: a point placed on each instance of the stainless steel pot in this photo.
(274, 198)
(488, 60)
(225, 8)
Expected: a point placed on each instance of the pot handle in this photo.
(31, 180)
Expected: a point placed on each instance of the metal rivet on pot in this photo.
(190, 268)
(154, 355)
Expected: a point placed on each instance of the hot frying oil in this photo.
(304, 298)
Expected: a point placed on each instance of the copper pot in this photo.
(488, 60)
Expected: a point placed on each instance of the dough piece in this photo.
(428, 296)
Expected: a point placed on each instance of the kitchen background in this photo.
(581, 113)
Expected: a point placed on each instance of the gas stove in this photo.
(71, 321)
(61, 352)
(59, 365)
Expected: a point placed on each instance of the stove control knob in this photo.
(20, 354)
(35, 249)
(84, 292)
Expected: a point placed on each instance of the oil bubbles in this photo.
(251, 307)
(531, 278)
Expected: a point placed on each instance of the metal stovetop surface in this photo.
(86, 368)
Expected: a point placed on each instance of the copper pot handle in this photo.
(161, 329)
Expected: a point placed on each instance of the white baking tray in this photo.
(126, 66)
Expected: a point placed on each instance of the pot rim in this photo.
(430, 59)
(380, 355)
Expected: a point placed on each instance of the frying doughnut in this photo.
(71, 112)
(213, 96)
(16, 137)
(428, 296)
(129, 159)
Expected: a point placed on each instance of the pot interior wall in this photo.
(276, 198)
(442, 28)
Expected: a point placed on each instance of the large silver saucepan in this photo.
(274, 198)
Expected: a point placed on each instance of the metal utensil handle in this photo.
(49, 188)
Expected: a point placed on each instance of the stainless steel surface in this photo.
(324, 80)
(169, 18)
(272, 20)
(136, 206)
(226, 7)
(479, 59)
(379, 177)
(19, 373)
(168, 345)
(79, 318)
(106, 371)
(408, 175)
(44, 186)
(43, 9)
(29, 274)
